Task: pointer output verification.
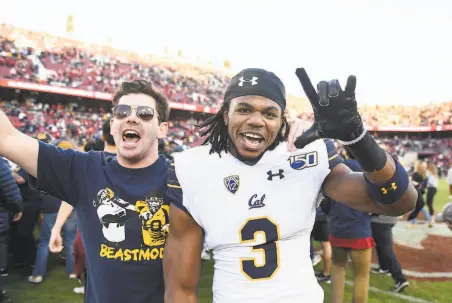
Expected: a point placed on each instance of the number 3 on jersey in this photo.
(248, 233)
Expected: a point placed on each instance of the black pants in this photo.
(382, 234)
(431, 192)
(3, 250)
(420, 203)
(23, 242)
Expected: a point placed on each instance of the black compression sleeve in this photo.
(368, 153)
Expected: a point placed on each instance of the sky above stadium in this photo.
(400, 50)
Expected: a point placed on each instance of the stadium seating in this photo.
(39, 58)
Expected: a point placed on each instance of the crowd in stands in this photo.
(439, 114)
(36, 57)
(83, 124)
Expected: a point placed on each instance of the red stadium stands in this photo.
(32, 61)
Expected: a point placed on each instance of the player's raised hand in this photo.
(335, 110)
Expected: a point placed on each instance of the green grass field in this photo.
(57, 288)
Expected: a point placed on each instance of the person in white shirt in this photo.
(253, 198)
(449, 181)
(432, 187)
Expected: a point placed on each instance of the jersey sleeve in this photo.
(174, 192)
(60, 172)
(333, 156)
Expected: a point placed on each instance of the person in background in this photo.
(432, 187)
(320, 233)
(50, 206)
(419, 180)
(446, 215)
(449, 181)
(10, 203)
(315, 258)
(23, 241)
(350, 236)
(387, 259)
(164, 149)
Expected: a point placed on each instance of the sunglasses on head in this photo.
(145, 113)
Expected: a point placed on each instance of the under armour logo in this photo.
(271, 174)
(387, 190)
(253, 81)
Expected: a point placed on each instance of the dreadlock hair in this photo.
(217, 131)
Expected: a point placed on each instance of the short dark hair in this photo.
(106, 133)
(146, 88)
(89, 146)
(218, 136)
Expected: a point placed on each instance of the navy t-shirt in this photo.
(346, 222)
(122, 216)
(50, 204)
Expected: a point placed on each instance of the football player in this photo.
(254, 201)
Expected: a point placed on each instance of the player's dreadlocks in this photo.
(217, 131)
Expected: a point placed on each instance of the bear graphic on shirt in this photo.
(113, 212)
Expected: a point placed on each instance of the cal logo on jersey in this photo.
(232, 183)
(303, 161)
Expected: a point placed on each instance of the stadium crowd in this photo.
(81, 123)
(36, 57)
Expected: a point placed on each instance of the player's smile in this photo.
(253, 124)
(252, 140)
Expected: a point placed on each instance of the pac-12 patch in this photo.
(303, 161)
(232, 183)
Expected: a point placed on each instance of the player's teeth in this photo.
(252, 141)
(252, 137)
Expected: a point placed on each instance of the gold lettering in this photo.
(119, 255)
(138, 254)
(103, 250)
(154, 253)
(127, 255)
(135, 254)
(144, 254)
(110, 253)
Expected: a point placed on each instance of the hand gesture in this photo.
(335, 111)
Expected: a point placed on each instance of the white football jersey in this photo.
(257, 219)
